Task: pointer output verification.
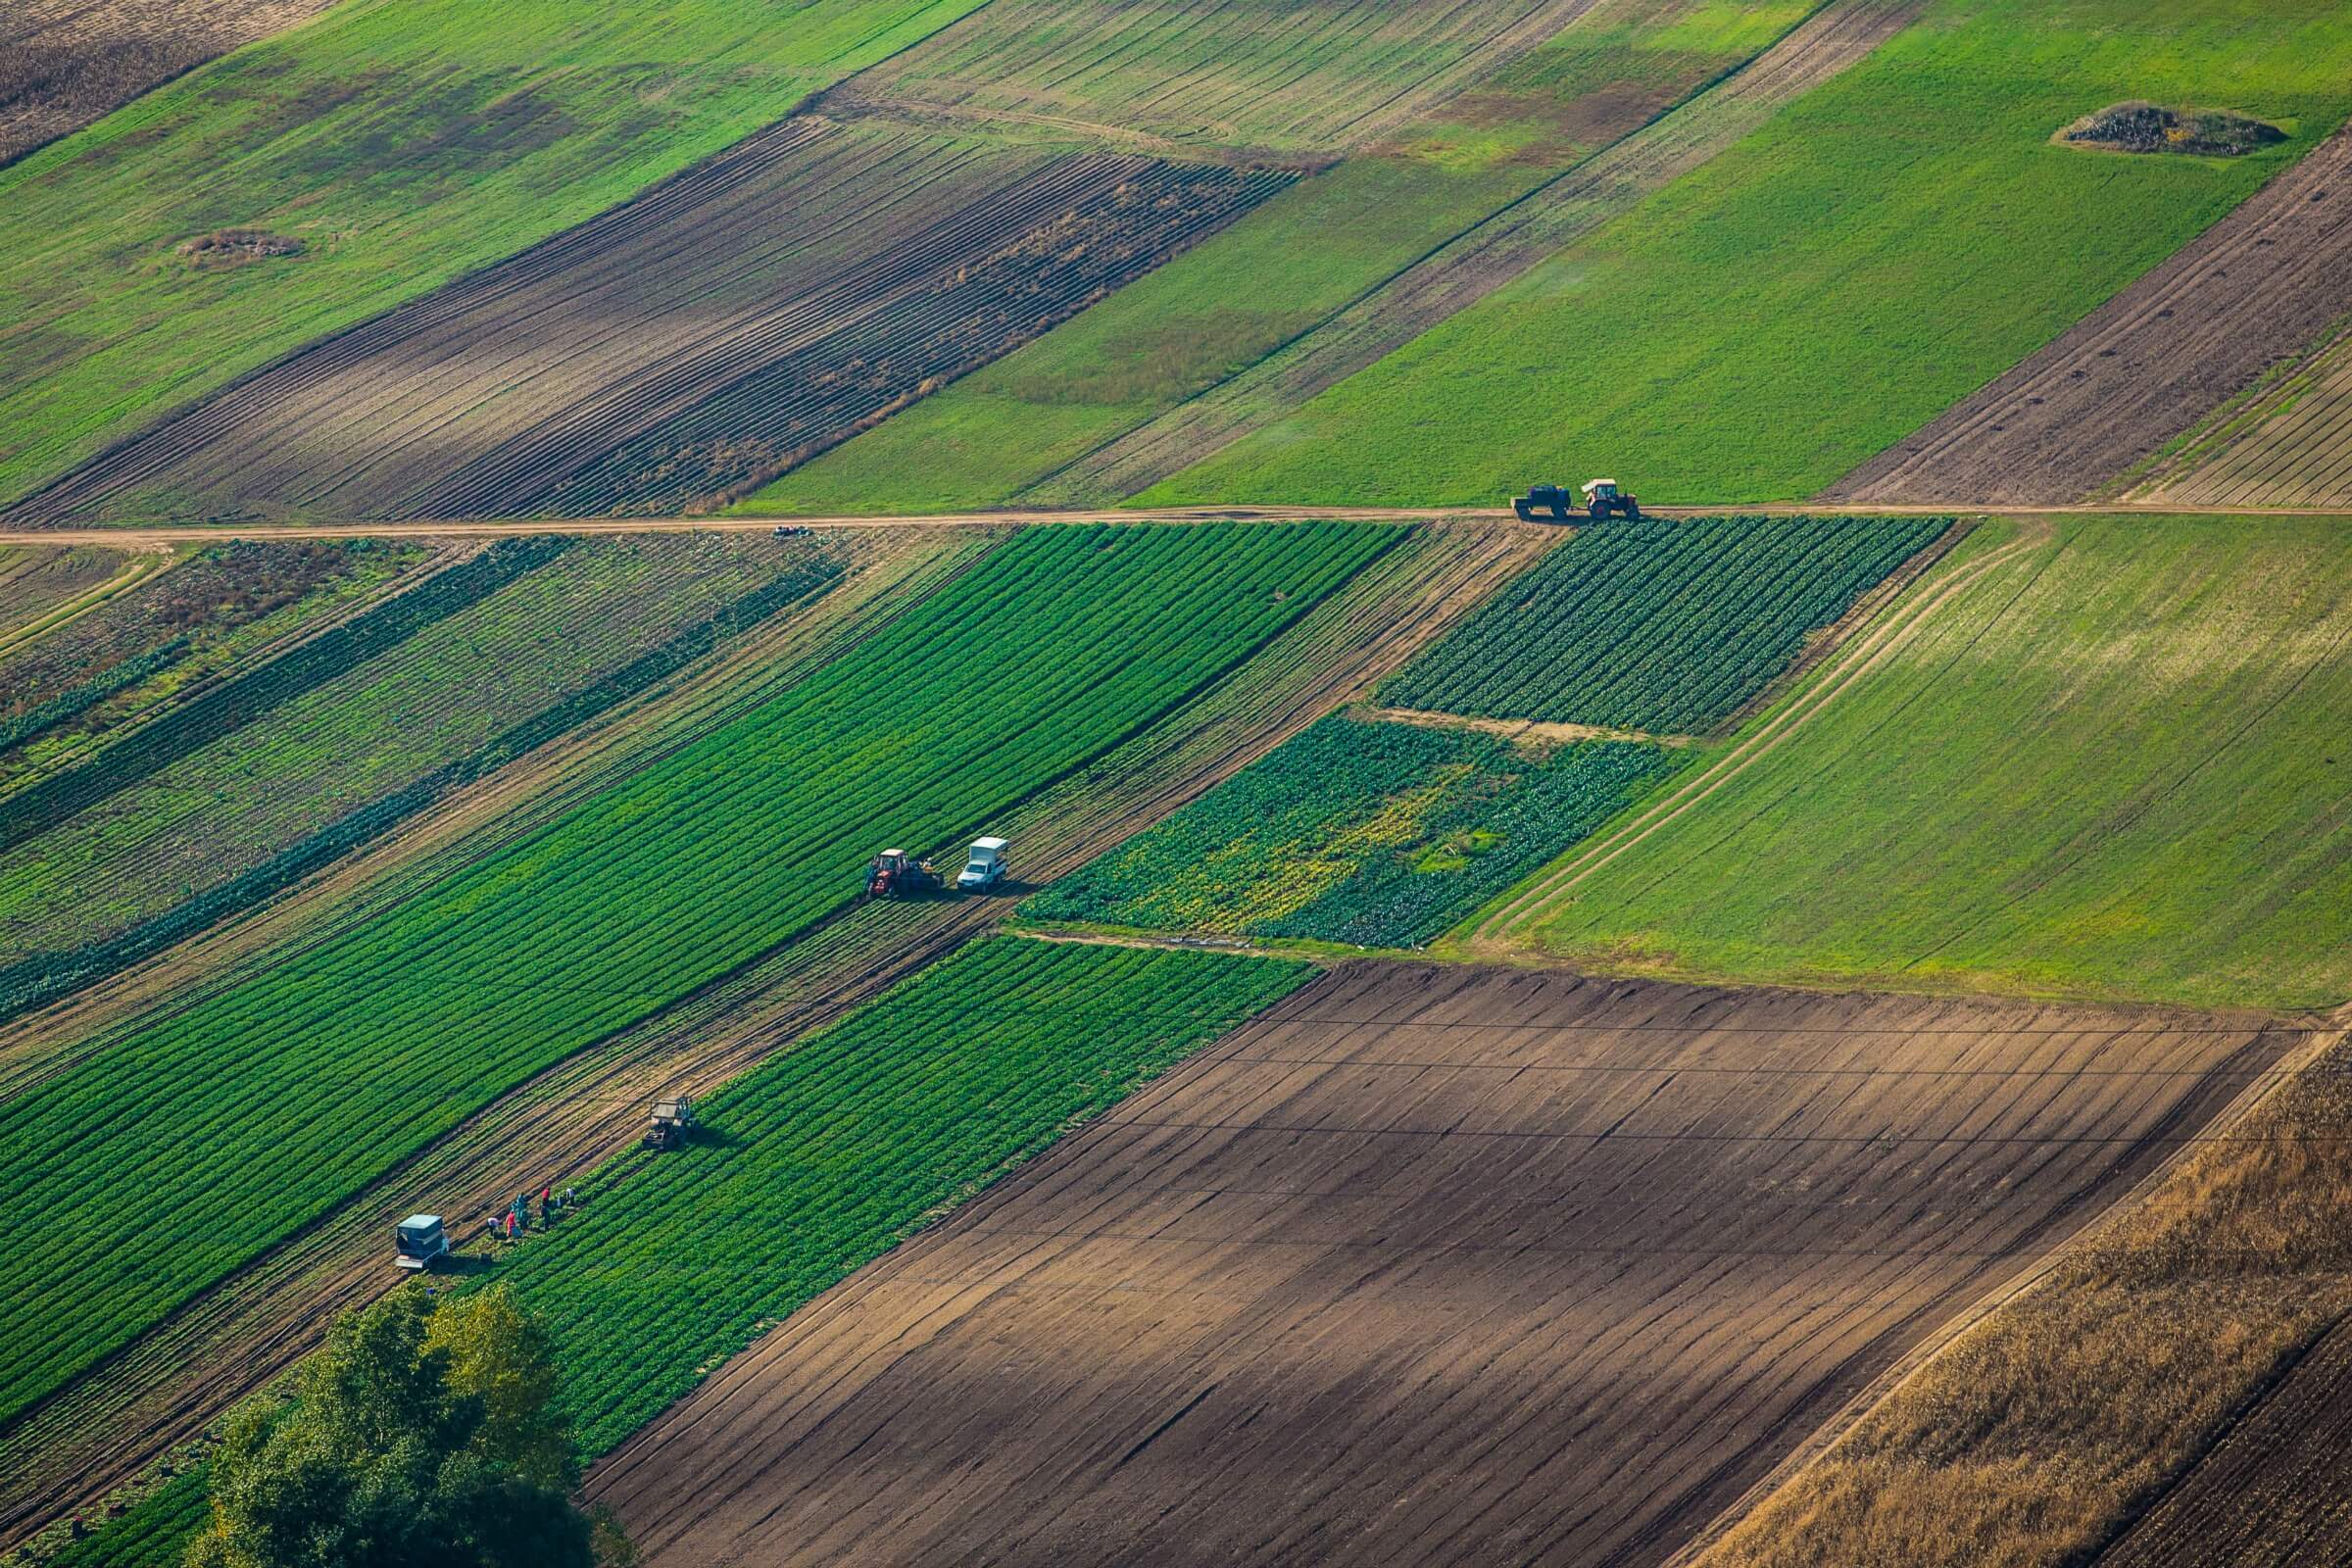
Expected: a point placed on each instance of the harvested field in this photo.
(760, 306)
(2273, 1494)
(1428, 1263)
(35, 580)
(230, 1340)
(2251, 294)
(65, 63)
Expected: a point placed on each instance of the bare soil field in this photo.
(225, 1344)
(2273, 1493)
(65, 63)
(762, 304)
(1481, 260)
(2289, 444)
(1430, 1264)
(35, 579)
(2253, 292)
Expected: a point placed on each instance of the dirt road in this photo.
(1432, 1263)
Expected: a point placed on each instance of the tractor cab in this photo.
(672, 1122)
(418, 1240)
(1603, 498)
(984, 868)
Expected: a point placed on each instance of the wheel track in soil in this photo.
(106, 1427)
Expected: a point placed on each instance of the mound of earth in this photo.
(234, 247)
(2144, 128)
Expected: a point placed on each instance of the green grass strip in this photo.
(43, 977)
(76, 701)
(243, 699)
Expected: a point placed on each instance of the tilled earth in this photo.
(1430, 1264)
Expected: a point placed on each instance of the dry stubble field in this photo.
(1513, 1266)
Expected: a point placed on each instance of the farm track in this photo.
(2270, 1493)
(764, 305)
(1430, 1261)
(108, 1424)
(1483, 259)
(66, 62)
(2256, 290)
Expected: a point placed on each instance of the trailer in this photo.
(418, 1241)
(1601, 499)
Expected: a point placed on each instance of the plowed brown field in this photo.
(2273, 1493)
(65, 63)
(763, 303)
(2254, 290)
(1430, 1264)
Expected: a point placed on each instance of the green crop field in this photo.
(403, 142)
(831, 1153)
(1665, 627)
(258, 1108)
(2113, 766)
(1881, 247)
(1380, 835)
(1284, 268)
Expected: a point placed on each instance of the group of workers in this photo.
(517, 1220)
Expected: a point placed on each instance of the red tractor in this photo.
(896, 874)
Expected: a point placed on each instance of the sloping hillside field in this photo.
(2090, 756)
(1428, 1264)
(263, 1106)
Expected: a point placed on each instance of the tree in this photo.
(422, 1434)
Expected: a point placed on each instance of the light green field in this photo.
(1883, 246)
(2114, 764)
(1284, 268)
(405, 142)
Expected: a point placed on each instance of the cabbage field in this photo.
(830, 1153)
(1380, 835)
(1664, 627)
(250, 1112)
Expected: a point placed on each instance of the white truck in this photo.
(984, 868)
(418, 1240)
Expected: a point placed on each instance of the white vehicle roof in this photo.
(421, 1222)
(1594, 484)
(996, 845)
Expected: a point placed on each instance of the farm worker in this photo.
(569, 1199)
(490, 1221)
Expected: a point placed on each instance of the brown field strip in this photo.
(2270, 1495)
(1430, 1264)
(2289, 445)
(66, 62)
(764, 302)
(2254, 291)
(183, 1374)
(1481, 260)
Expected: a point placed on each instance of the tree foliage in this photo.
(422, 1435)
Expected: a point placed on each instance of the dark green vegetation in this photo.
(829, 1155)
(1289, 266)
(1381, 835)
(2111, 765)
(403, 142)
(1881, 247)
(259, 1109)
(152, 1532)
(422, 1436)
(39, 977)
(1664, 627)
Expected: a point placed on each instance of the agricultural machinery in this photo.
(1601, 500)
(418, 1240)
(896, 874)
(671, 1123)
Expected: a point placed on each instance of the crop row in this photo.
(831, 1153)
(254, 1111)
(78, 700)
(243, 699)
(1380, 835)
(42, 977)
(372, 731)
(1658, 626)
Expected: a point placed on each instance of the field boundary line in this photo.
(140, 562)
(2250, 1098)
